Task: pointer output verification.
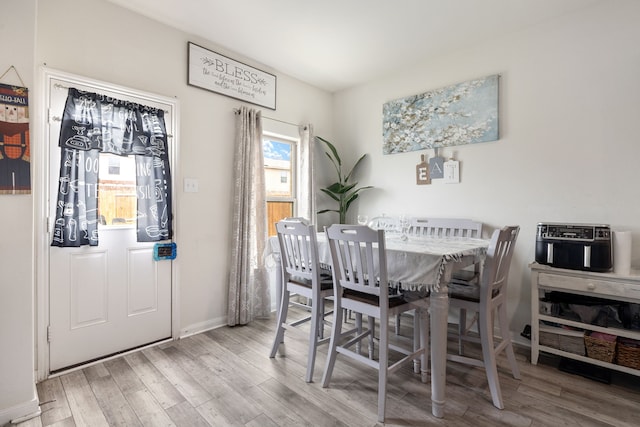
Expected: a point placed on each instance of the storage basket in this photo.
(568, 340)
(572, 344)
(629, 353)
(600, 346)
(549, 339)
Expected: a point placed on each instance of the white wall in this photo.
(569, 145)
(17, 385)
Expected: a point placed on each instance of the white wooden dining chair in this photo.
(359, 267)
(295, 300)
(488, 299)
(447, 227)
(302, 275)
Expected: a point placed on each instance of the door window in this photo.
(117, 190)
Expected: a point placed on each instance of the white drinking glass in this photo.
(403, 221)
(363, 219)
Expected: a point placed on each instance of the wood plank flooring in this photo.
(224, 377)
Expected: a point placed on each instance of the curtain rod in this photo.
(237, 110)
(281, 121)
(59, 86)
(59, 119)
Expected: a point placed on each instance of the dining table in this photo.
(417, 264)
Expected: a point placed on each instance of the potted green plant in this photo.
(342, 191)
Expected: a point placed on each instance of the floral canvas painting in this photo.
(465, 113)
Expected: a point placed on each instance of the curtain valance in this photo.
(94, 121)
(93, 124)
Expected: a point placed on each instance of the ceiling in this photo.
(336, 44)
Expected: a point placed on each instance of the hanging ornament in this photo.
(422, 172)
(451, 171)
(436, 166)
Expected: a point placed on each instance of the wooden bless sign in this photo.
(217, 73)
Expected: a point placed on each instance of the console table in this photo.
(608, 286)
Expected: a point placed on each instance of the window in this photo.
(280, 178)
(117, 190)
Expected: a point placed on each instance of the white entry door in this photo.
(113, 297)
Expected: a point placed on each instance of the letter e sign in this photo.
(422, 172)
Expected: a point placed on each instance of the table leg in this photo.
(439, 318)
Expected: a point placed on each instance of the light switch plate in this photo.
(190, 185)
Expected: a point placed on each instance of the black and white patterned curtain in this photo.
(94, 124)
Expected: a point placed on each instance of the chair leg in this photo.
(489, 356)
(424, 325)
(462, 330)
(359, 329)
(282, 318)
(336, 331)
(383, 369)
(346, 315)
(321, 324)
(504, 333)
(372, 335)
(398, 317)
(417, 334)
(317, 314)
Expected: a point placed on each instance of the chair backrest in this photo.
(445, 227)
(296, 219)
(359, 260)
(298, 250)
(498, 262)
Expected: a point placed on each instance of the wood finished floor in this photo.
(224, 377)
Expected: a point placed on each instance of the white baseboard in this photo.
(21, 412)
(200, 327)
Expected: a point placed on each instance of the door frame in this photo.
(41, 183)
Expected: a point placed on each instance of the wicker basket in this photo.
(600, 349)
(629, 353)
